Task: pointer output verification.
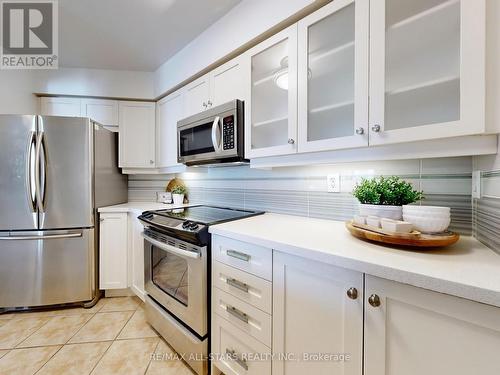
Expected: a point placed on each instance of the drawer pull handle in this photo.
(237, 284)
(237, 313)
(237, 359)
(238, 255)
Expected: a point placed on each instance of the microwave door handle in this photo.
(171, 249)
(215, 128)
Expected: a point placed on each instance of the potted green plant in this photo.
(178, 193)
(385, 196)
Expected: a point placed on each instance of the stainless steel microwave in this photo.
(214, 136)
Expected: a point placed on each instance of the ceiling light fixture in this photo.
(281, 76)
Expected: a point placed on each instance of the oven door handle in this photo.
(215, 128)
(171, 249)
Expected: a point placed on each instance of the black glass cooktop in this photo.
(207, 215)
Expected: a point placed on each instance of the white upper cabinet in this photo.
(413, 331)
(137, 134)
(221, 85)
(169, 110)
(427, 69)
(197, 95)
(105, 112)
(229, 82)
(271, 109)
(333, 55)
(60, 106)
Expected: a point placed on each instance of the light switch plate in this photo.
(476, 184)
(333, 183)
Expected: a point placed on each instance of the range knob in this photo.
(193, 226)
(186, 224)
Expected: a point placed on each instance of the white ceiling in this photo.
(131, 34)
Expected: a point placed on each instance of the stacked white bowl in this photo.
(428, 219)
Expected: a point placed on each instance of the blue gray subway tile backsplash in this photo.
(303, 191)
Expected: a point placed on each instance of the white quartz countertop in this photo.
(138, 206)
(466, 269)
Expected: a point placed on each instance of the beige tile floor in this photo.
(112, 337)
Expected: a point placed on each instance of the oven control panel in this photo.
(190, 225)
(228, 132)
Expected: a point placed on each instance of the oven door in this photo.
(175, 275)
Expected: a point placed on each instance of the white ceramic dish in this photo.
(396, 226)
(390, 212)
(373, 221)
(359, 219)
(427, 209)
(428, 224)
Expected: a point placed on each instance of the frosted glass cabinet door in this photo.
(427, 75)
(333, 77)
(270, 115)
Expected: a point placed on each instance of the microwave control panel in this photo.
(228, 133)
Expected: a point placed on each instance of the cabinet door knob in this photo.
(291, 141)
(151, 162)
(101, 219)
(209, 103)
(374, 300)
(204, 104)
(376, 128)
(360, 131)
(352, 293)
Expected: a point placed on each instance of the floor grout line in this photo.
(97, 341)
(151, 356)
(52, 356)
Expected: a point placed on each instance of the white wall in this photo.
(241, 24)
(17, 86)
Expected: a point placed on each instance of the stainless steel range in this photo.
(177, 275)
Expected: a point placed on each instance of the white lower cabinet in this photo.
(113, 251)
(416, 331)
(236, 353)
(136, 253)
(121, 252)
(331, 320)
(317, 311)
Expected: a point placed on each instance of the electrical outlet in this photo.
(333, 183)
(476, 184)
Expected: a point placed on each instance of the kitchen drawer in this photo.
(237, 353)
(250, 258)
(249, 288)
(249, 319)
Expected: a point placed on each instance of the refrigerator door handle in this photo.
(46, 237)
(39, 172)
(30, 170)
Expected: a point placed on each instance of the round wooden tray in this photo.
(421, 240)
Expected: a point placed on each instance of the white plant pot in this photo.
(178, 198)
(389, 212)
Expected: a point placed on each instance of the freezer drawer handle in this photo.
(237, 359)
(47, 237)
(237, 313)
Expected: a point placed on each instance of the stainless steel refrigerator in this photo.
(54, 174)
